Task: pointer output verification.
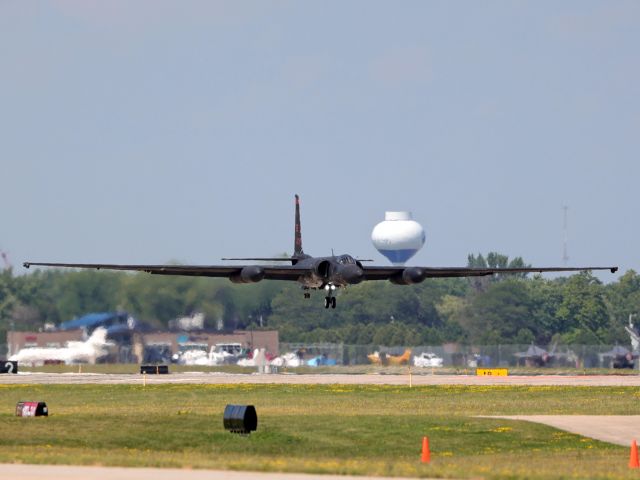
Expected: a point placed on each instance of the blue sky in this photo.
(152, 131)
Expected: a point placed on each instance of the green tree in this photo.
(497, 315)
(623, 300)
(84, 291)
(546, 298)
(583, 309)
(506, 310)
(493, 260)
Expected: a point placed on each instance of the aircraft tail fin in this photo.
(297, 242)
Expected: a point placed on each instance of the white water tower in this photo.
(399, 237)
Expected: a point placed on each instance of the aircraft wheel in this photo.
(333, 302)
(327, 301)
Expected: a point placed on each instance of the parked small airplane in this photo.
(378, 358)
(327, 273)
(88, 351)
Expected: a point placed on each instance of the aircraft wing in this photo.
(293, 272)
(384, 273)
(281, 272)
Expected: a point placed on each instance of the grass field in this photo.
(309, 428)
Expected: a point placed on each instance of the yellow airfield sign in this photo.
(492, 372)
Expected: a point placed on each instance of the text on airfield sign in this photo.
(492, 372)
(8, 366)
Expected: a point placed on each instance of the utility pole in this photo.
(565, 224)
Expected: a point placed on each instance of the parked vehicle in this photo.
(427, 359)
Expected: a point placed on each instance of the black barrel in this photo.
(32, 409)
(154, 369)
(240, 419)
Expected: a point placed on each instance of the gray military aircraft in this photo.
(539, 357)
(327, 273)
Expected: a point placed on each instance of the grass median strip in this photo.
(317, 428)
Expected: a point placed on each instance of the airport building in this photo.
(133, 342)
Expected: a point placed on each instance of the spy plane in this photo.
(314, 273)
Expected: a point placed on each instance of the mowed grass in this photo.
(343, 429)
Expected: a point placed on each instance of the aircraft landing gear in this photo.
(329, 302)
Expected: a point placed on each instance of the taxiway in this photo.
(321, 379)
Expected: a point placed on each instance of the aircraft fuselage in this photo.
(320, 272)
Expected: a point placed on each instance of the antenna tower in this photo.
(565, 255)
(5, 260)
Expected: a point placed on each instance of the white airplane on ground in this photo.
(74, 352)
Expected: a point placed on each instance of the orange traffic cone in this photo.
(426, 453)
(633, 457)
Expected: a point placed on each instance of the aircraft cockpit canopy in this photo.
(346, 260)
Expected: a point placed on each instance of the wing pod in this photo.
(248, 274)
(409, 276)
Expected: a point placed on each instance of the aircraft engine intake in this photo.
(322, 269)
(409, 276)
(249, 274)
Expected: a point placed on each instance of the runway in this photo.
(320, 379)
(71, 472)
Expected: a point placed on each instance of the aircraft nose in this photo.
(352, 274)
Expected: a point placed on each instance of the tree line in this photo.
(576, 309)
